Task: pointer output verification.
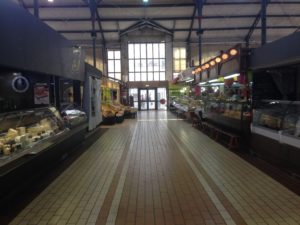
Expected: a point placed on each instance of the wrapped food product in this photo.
(6, 150)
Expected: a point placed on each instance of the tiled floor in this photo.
(158, 170)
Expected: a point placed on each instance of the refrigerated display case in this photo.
(233, 115)
(21, 132)
(73, 116)
(278, 120)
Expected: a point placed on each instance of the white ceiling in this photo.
(72, 18)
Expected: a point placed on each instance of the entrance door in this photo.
(147, 99)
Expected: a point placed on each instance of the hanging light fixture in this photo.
(218, 59)
(233, 52)
(203, 67)
(225, 56)
(193, 72)
(212, 63)
(206, 66)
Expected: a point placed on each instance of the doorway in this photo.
(147, 99)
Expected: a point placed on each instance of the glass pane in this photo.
(176, 53)
(131, 65)
(134, 92)
(149, 51)
(137, 53)
(143, 65)
(110, 54)
(136, 104)
(156, 64)
(182, 53)
(117, 65)
(151, 95)
(162, 94)
(143, 51)
(177, 65)
(150, 76)
(150, 64)
(117, 54)
(151, 105)
(143, 76)
(183, 64)
(162, 65)
(162, 53)
(111, 66)
(156, 76)
(144, 106)
(111, 75)
(155, 51)
(118, 76)
(131, 51)
(143, 95)
(137, 77)
(163, 76)
(131, 76)
(137, 64)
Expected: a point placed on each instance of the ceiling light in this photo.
(203, 67)
(233, 52)
(212, 63)
(225, 56)
(218, 59)
(206, 66)
(193, 72)
(145, 1)
(50, 0)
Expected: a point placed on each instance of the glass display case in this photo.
(278, 120)
(233, 115)
(73, 116)
(21, 131)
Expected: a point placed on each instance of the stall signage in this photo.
(20, 84)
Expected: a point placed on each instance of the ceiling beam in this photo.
(115, 19)
(182, 29)
(253, 26)
(114, 6)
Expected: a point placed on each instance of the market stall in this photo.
(276, 102)
(224, 87)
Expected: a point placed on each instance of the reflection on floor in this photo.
(158, 170)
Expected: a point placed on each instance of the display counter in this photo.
(235, 116)
(278, 120)
(31, 141)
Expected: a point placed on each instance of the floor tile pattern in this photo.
(158, 170)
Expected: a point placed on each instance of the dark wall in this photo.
(28, 44)
(11, 100)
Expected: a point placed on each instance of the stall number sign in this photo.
(20, 84)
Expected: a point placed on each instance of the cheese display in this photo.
(23, 129)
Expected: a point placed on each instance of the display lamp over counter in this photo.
(218, 59)
(233, 52)
(225, 56)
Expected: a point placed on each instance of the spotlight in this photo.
(218, 59)
(233, 52)
(225, 56)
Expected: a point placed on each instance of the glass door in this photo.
(147, 99)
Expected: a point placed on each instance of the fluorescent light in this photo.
(217, 84)
(145, 1)
(50, 0)
(202, 83)
(214, 80)
(232, 76)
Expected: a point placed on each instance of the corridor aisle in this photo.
(158, 170)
